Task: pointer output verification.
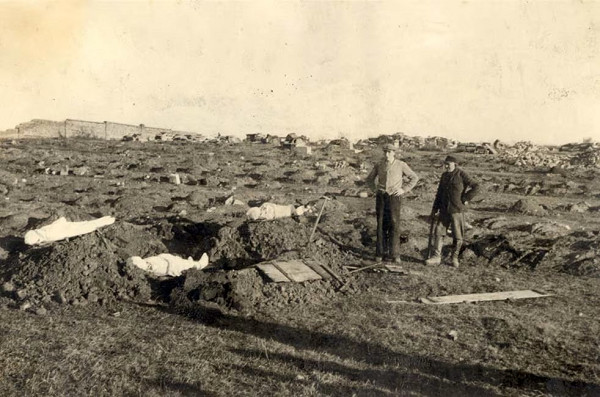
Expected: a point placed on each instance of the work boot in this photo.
(436, 256)
(455, 253)
(455, 262)
(434, 260)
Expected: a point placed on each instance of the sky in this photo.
(469, 70)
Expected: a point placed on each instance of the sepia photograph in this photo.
(300, 198)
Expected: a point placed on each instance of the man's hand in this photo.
(398, 192)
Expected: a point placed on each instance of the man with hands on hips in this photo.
(386, 179)
(455, 190)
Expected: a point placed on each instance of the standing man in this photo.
(386, 180)
(454, 192)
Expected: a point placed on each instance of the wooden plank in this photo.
(273, 273)
(318, 269)
(328, 269)
(360, 269)
(491, 296)
(395, 268)
(296, 270)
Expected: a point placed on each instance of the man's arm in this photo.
(413, 178)
(471, 187)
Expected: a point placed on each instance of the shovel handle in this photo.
(317, 221)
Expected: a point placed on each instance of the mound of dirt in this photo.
(577, 254)
(134, 240)
(244, 243)
(239, 290)
(245, 290)
(89, 268)
(550, 229)
(528, 207)
(237, 285)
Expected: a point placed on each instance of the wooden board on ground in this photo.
(272, 272)
(334, 274)
(318, 269)
(296, 270)
(395, 268)
(491, 296)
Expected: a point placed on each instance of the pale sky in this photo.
(470, 70)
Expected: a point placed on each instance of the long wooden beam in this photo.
(489, 296)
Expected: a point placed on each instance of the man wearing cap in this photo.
(386, 180)
(454, 192)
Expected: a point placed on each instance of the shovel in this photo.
(431, 226)
(318, 219)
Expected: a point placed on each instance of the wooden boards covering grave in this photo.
(292, 271)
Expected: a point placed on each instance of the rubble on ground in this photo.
(576, 156)
(528, 207)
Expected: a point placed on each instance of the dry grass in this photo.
(355, 345)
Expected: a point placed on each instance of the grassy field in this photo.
(356, 345)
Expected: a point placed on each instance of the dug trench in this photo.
(93, 268)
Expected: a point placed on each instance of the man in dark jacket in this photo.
(454, 192)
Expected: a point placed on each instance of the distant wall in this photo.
(40, 128)
(118, 131)
(83, 129)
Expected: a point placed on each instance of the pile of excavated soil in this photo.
(239, 290)
(92, 268)
(574, 253)
(86, 269)
(244, 243)
(528, 207)
(577, 254)
(246, 290)
(235, 284)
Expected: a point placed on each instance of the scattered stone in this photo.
(40, 311)
(8, 287)
(197, 199)
(175, 179)
(550, 229)
(24, 306)
(528, 207)
(453, 335)
(60, 298)
(92, 298)
(21, 294)
(579, 207)
(231, 200)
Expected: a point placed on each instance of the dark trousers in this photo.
(457, 223)
(388, 209)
